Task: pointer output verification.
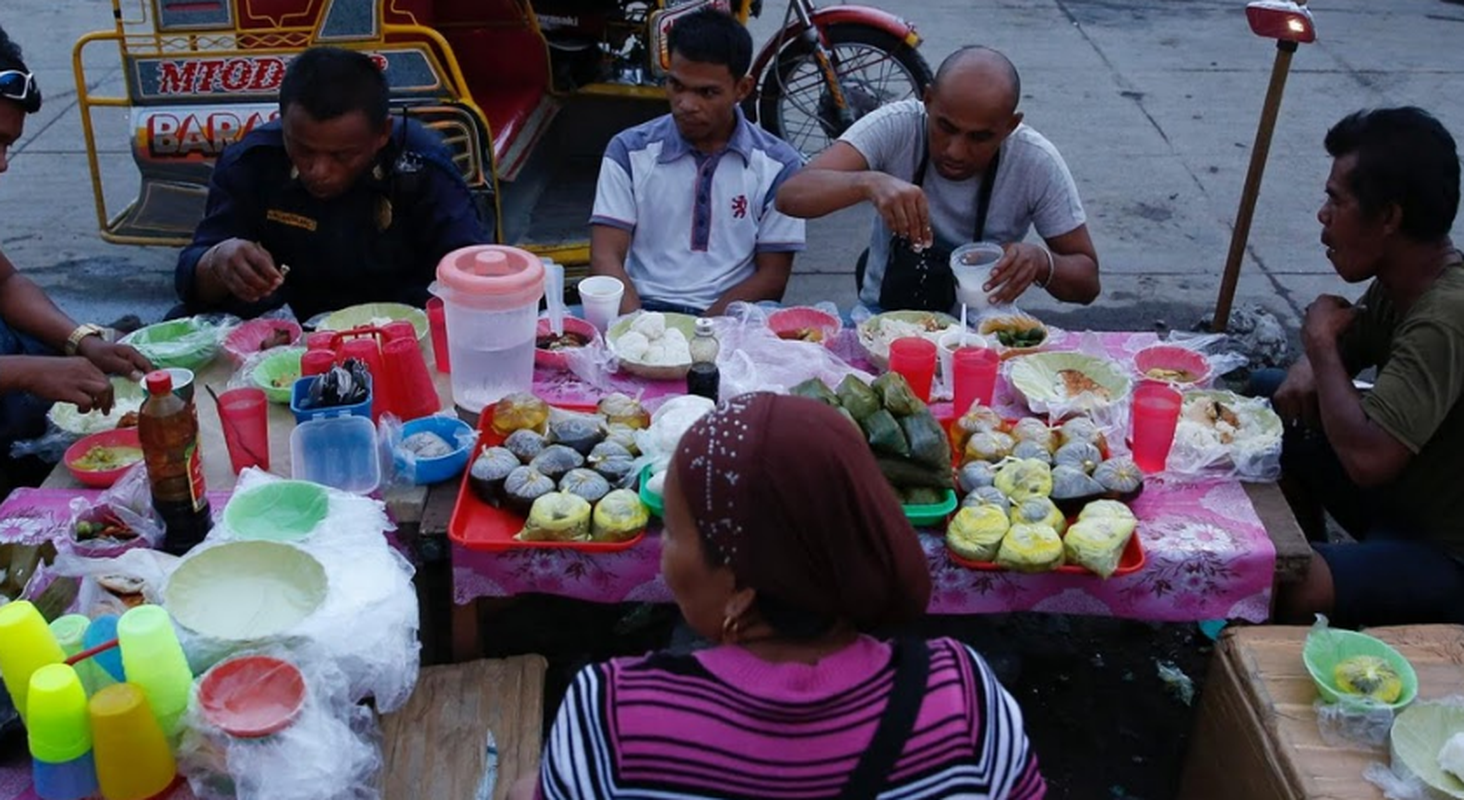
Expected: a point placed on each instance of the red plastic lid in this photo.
(490, 277)
(159, 382)
(252, 696)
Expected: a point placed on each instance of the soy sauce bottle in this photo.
(703, 378)
(167, 425)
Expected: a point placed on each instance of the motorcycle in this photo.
(525, 94)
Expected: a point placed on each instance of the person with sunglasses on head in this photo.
(45, 356)
(336, 203)
(958, 166)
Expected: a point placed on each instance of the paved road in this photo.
(1154, 104)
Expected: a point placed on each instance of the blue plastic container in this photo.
(301, 393)
(436, 470)
(339, 452)
(74, 780)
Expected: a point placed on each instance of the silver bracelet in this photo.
(1051, 268)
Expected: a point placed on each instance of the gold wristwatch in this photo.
(73, 342)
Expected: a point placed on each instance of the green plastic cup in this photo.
(153, 659)
(69, 632)
(57, 725)
(26, 645)
(279, 511)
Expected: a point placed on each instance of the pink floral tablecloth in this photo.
(1208, 554)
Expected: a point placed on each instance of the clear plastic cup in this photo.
(914, 358)
(1155, 416)
(132, 755)
(972, 265)
(244, 416)
(600, 295)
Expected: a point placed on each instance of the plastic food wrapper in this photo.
(328, 749)
(128, 504)
(1221, 434)
(399, 466)
(113, 585)
(264, 333)
(658, 442)
(1097, 543)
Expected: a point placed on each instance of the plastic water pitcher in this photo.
(490, 294)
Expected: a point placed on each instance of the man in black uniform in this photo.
(334, 204)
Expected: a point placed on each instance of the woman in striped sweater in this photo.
(783, 541)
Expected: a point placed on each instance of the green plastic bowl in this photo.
(649, 499)
(245, 592)
(932, 515)
(276, 374)
(184, 343)
(376, 315)
(279, 511)
(1327, 648)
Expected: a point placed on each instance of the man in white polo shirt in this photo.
(684, 210)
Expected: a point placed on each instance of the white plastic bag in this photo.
(1200, 450)
(129, 501)
(753, 359)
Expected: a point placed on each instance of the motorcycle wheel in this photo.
(874, 68)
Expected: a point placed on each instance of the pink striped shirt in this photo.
(724, 723)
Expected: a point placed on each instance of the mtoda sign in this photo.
(239, 75)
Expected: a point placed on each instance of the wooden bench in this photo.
(1256, 734)
(459, 721)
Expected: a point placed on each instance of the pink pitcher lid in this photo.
(491, 276)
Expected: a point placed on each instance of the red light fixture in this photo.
(1281, 19)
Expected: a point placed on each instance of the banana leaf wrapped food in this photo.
(1023, 479)
(906, 473)
(928, 443)
(1097, 543)
(922, 496)
(619, 516)
(896, 395)
(557, 517)
(884, 434)
(815, 389)
(1039, 511)
(857, 398)
(1030, 548)
(975, 532)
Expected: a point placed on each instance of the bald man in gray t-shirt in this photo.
(968, 114)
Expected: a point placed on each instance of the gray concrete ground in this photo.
(1154, 103)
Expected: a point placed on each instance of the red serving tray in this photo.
(1132, 560)
(477, 525)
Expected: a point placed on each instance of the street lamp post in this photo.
(1290, 24)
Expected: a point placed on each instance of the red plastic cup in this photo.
(315, 362)
(412, 388)
(973, 377)
(244, 414)
(437, 324)
(1155, 415)
(366, 350)
(399, 329)
(321, 340)
(914, 358)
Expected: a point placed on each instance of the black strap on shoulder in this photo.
(912, 673)
(983, 195)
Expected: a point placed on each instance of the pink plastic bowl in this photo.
(558, 359)
(100, 478)
(245, 340)
(791, 323)
(1168, 356)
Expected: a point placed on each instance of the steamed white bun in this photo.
(651, 324)
(633, 345)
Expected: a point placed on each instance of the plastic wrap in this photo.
(1345, 725)
(658, 442)
(128, 502)
(368, 623)
(1207, 443)
(277, 328)
(754, 359)
(401, 461)
(1393, 785)
(329, 748)
(49, 447)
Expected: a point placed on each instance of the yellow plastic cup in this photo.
(57, 727)
(153, 660)
(132, 755)
(26, 645)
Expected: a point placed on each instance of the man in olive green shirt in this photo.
(1386, 464)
